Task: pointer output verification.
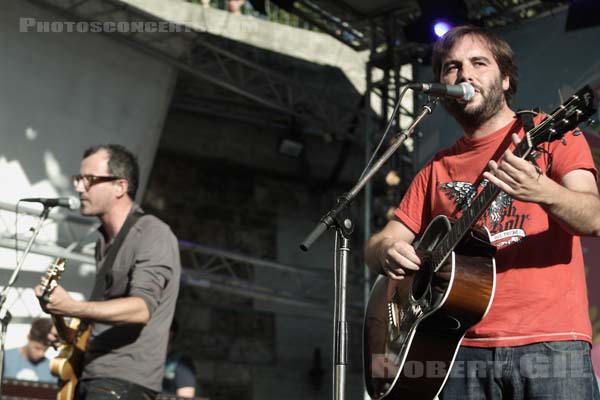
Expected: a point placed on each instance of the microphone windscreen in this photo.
(74, 203)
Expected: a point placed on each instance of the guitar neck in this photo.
(470, 216)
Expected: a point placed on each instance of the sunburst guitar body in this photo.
(74, 335)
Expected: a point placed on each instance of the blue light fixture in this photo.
(436, 19)
(441, 27)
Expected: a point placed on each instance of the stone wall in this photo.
(217, 203)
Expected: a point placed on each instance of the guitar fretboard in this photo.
(566, 117)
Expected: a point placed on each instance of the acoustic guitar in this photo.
(413, 327)
(74, 335)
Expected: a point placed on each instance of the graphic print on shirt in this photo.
(501, 218)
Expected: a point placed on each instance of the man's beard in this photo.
(491, 104)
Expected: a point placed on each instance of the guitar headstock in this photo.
(577, 109)
(52, 275)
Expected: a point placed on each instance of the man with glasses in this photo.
(137, 282)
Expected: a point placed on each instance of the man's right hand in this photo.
(397, 258)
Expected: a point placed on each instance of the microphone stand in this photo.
(5, 315)
(343, 228)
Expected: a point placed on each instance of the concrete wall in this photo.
(298, 337)
(298, 43)
(256, 147)
(68, 91)
(305, 46)
(244, 196)
(61, 93)
(265, 347)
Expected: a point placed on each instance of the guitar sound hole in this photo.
(422, 281)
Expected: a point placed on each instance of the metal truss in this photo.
(499, 13)
(356, 28)
(372, 25)
(206, 58)
(72, 239)
(200, 58)
(307, 289)
(75, 240)
(310, 289)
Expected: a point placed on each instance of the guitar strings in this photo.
(440, 253)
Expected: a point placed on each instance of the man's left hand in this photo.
(59, 302)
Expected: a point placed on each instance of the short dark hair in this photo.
(121, 163)
(40, 328)
(503, 54)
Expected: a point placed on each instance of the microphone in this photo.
(464, 91)
(71, 202)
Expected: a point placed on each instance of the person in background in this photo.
(29, 362)
(136, 286)
(180, 372)
(235, 6)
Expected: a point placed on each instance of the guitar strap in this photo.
(526, 119)
(103, 277)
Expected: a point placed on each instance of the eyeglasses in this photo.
(91, 180)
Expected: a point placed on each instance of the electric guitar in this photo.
(413, 327)
(67, 365)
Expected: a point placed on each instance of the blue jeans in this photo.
(112, 389)
(547, 370)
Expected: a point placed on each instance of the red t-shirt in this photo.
(540, 279)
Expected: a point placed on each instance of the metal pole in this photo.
(5, 315)
(341, 324)
(368, 195)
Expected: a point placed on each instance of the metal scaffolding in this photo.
(306, 288)
(202, 57)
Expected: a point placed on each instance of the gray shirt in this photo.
(146, 266)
